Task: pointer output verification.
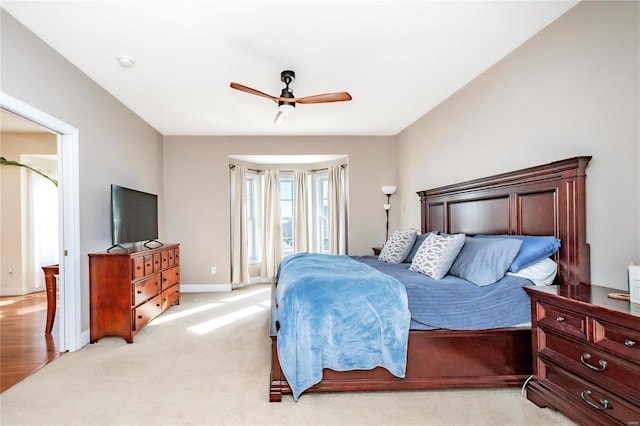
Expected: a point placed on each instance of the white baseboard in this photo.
(204, 288)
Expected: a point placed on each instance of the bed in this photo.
(542, 200)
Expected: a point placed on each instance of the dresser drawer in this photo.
(567, 322)
(170, 277)
(170, 297)
(165, 259)
(147, 311)
(171, 260)
(148, 264)
(146, 289)
(137, 267)
(618, 340)
(604, 369)
(592, 400)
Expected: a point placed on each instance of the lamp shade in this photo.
(388, 189)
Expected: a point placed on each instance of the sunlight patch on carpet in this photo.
(245, 295)
(172, 317)
(216, 323)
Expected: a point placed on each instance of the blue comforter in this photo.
(338, 313)
(457, 304)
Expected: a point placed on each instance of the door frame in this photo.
(70, 312)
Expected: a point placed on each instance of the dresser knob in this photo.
(630, 343)
(587, 356)
(603, 401)
(560, 319)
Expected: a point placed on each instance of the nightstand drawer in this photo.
(607, 370)
(619, 340)
(591, 399)
(564, 321)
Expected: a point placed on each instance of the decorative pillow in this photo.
(397, 247)
(484, 261)
(416, 245)
(436, 255)
(533, 249)
(540, 273)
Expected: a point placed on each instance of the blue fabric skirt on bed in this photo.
(457, 304)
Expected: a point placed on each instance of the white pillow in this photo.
(397, 247)
(436, 255)
(541, 273)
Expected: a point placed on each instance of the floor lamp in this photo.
(387, 190)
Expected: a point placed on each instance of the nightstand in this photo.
(586, 352)
(377, 250)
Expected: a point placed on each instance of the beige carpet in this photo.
(206, 362)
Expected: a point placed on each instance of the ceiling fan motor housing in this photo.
(286, 93)
(287, 77)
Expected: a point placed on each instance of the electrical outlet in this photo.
(213, 270)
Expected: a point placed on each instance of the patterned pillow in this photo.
(436, 255)
(396, 249)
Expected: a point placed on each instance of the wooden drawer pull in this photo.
(630, 343)
(603, 401)
(587, 356)
(560, 319)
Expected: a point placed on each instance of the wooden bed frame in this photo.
(542, 200)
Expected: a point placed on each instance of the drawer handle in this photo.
(603, 401)
(587, 356)
(630, 343)
(139, 291)
(560, 319)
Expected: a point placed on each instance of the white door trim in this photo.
(70, 313)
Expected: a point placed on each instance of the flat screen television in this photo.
(134, 216)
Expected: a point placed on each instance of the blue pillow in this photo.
(416, 245)
(533, 249)
(484, 261)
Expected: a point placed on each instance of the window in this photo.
(286, 212)
(253, 216)
(320, 226)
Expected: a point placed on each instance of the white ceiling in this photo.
(398, 59)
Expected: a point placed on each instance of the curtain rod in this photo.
(233, 166)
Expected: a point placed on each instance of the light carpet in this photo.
(206, 362)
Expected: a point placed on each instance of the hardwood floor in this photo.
(24, 347)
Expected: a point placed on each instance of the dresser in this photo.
(586, 352)
(127, 289)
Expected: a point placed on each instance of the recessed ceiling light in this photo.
(125, 61)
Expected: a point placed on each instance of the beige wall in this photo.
(197, 192)
(11, 147)
(571, 90)
(115, 145)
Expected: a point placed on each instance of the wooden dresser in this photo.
(127, 289)
(586, 351)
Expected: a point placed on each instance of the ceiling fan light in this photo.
(286, 106)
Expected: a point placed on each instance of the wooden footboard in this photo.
(436, 359)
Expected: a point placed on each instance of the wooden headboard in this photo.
(541, 200)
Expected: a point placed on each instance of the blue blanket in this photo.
(334, 312)
(457, 304)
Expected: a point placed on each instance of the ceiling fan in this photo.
(287, 101)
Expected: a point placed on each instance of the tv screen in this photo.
(134, 215)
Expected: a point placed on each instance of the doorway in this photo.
(70, 304)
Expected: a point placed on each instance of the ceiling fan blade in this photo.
(325, 97)
(280, 117)
(247, 89)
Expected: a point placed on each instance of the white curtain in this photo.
(239, 239)
(301, 237)
(337, 211)
(42, 217)
(271, 229)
